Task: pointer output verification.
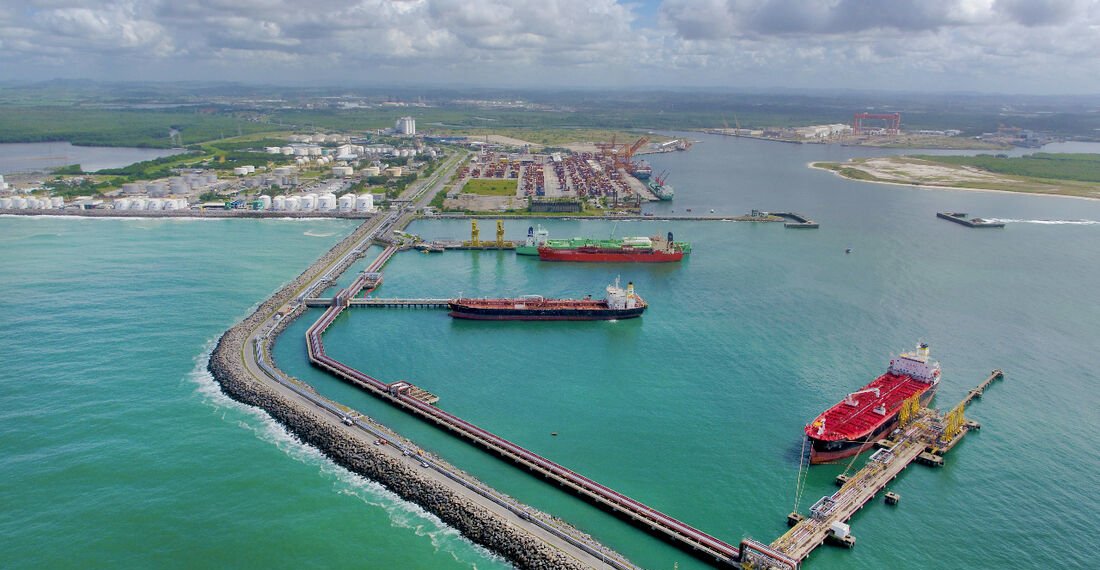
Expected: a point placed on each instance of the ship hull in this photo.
(527, 250)
(827, 451)
(460, 311)
(606, 255)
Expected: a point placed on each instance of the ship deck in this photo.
(534, 304)
(843, 421)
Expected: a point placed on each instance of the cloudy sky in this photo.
(1016, 46)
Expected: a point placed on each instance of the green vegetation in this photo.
(846, 171)
(70, 169)
(152, 169)
(1080, 167)
(491, 187)
(71, 187)
(134, 128)
(553, 138)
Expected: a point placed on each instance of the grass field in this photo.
(492, 187)
(554, 137)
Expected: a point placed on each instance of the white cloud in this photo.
(965, 44)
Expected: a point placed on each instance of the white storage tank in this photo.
(157, 189)
(273, 150)
(170, 204)
(122, 204)
(154, 204)
(326, 202)
(240, 170)
(19, 202)
(364, 202)
(287, 150)
(393, 171)
(283, 171)
(278, 203)
(309, 202)
(314, 151)
(346, 202)
(372, 171)
(342, 171)
(137, 204)
(266, 201)
(34, 203)
(293, 204)
(57, 202)
(5, 202)
(133, 188)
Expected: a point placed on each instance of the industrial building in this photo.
(405, 126)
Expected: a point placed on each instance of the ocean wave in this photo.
(311, 234)
(1049, 222)
(402, 514)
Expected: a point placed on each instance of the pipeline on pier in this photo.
(686, 536)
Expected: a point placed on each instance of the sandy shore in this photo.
(939, 187)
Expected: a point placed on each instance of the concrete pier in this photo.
(240, 363)
(923, 439)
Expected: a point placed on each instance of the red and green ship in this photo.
(655, 249)
(537, 238)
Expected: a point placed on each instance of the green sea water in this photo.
(117, 440)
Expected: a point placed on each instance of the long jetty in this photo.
(427, 303)
(400, 394)
(923, 437)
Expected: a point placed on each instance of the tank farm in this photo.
(923, 436)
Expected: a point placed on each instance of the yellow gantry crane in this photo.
(474, 239)
(475, 236)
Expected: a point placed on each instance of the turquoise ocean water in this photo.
(116, 440)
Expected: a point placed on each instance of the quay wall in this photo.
(185, 213)
(473, 521)
(365, 215)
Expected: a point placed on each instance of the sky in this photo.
(995, 46)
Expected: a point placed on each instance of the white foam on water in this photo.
(402, 514)
(311, 234)
(1049, 222)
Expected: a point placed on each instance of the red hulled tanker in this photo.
(619, 304)
(855, 423)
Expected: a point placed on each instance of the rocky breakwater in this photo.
(475, 522)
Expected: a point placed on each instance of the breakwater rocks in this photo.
(474, 521)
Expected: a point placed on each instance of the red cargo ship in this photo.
(854, 424)
(661, 250)
(619, 304)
